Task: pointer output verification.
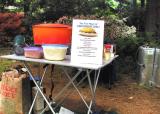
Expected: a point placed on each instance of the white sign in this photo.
(65, 111)
(87, 41)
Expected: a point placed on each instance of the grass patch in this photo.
(5, 51)
(5, 64)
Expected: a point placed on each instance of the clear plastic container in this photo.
(33, 52)
(54, 51)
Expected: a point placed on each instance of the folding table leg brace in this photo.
(76, 88)
(71, 81)
(30, 73)
(37, 92)
(70, 91)
(93, 89)
(62, 91)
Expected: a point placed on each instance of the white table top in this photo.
(65, 62)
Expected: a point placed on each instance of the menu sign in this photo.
(87, 41)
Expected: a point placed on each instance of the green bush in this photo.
(114, 28)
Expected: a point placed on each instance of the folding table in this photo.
(88, 68)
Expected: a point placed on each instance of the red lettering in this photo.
(8, 94)
(8, 91)
(1, 110)
(13, 90)
(1, 113)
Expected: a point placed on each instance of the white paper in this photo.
(65, 111)
(87, 47)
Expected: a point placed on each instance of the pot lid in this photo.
(55, 25)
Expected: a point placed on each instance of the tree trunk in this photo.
(133, 4)
(26, 6)
(142, 3)
(158, 19)
(151, 15)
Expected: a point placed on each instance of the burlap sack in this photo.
(11, 93)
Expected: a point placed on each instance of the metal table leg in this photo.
(76, 88)
(65, 88)
(71, 91)
(30, 111)
(29, 71)
(93, 89)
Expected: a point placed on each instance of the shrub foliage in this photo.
(10, 25)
